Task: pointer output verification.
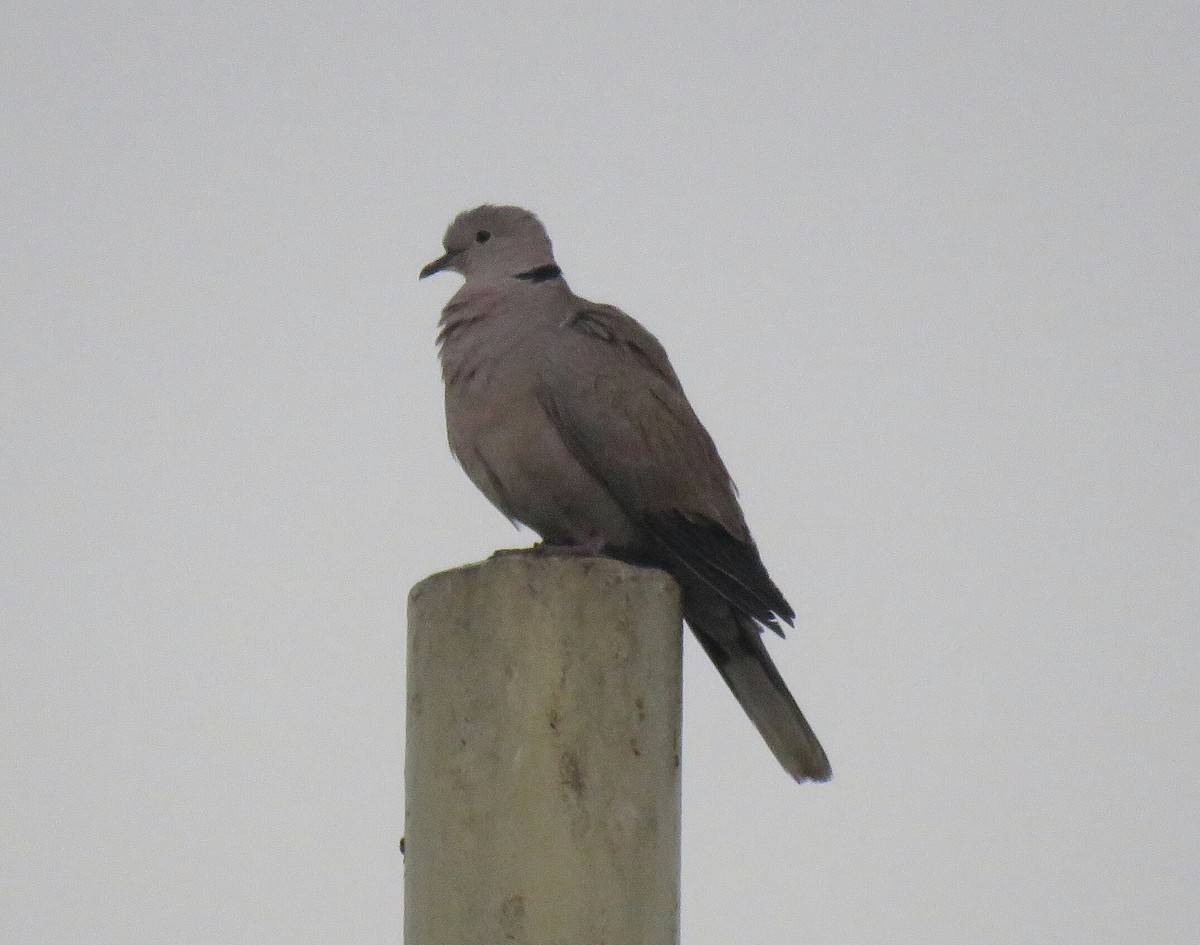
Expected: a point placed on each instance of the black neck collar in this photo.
(540, 274)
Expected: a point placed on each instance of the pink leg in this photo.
(591, 547)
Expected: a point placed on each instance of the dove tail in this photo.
(749, 671)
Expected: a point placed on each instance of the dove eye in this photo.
(482, 236)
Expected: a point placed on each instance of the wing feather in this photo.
(616, 402)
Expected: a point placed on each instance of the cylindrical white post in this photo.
(542, 757)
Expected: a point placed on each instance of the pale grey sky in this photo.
(929, 274)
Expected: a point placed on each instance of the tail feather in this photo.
(750, 673)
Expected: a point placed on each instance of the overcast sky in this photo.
(928, 273)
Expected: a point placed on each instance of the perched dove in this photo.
(568, 416)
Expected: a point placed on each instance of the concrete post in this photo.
(542, 755)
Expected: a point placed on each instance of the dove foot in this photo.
(590, 548)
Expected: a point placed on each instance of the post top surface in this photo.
(544, 569)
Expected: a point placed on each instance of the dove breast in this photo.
(493, 354)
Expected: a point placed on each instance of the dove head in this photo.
(492, 241)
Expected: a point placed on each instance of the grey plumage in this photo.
(568, 416)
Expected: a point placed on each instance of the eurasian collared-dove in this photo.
(568, 416)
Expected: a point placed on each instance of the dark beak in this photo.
(438, 265)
